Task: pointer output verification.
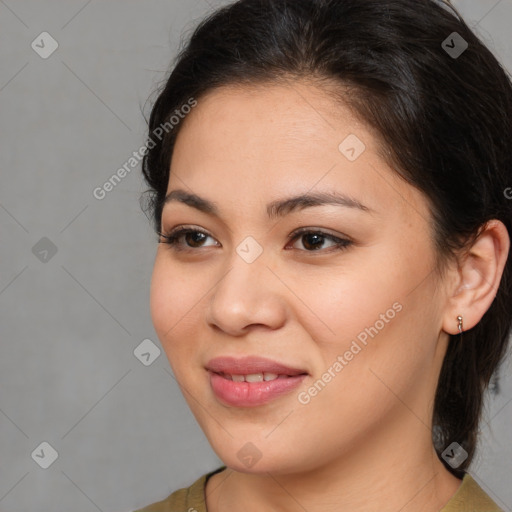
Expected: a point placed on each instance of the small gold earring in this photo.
(459, 318)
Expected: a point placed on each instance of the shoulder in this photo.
(471, 497)
(187, 499)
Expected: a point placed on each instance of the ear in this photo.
(478, 280)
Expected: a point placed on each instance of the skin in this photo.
(364, 441)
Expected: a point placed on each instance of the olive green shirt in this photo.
(470, 497)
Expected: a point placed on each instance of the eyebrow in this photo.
(275, 209)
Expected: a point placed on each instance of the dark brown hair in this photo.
(444, 121)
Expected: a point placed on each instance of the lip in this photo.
(251, 394)
(250, 364)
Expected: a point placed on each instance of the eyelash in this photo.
(171, 238)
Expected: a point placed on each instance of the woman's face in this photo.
(357, 317)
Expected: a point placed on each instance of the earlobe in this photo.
(480, 275)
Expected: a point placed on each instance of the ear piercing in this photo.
(459, 319)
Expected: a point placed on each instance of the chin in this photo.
(257, 458)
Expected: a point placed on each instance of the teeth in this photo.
(254, 377)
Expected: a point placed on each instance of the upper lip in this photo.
(249, 365)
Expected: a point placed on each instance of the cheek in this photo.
(374, 317)
(359, 382)
(348, 302)
(160, 295)
(174, 295)
(365, 292)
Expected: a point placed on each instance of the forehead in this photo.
(281, 115)
(260, 142)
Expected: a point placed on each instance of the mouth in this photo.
(251, 381)
(251, 365)
(254, 377)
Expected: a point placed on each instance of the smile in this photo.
(252, 380)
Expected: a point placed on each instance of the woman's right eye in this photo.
(174, 236)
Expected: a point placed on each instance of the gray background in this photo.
(70, 323)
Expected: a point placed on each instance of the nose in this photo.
(248, 295)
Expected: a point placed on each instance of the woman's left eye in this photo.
(312, 240)
(315, 239)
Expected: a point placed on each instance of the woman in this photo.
(329, 182)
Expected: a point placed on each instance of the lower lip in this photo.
(251, 394)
